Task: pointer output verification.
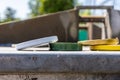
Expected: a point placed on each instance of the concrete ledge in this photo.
(60, 61)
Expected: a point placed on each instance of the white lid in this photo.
(36, 42)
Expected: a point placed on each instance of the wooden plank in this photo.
(91, 19)
(63, 24)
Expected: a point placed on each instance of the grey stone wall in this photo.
(60, 65)
(61, 76)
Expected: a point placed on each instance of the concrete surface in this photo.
(59, 61)
(61, 76)
(59, 65)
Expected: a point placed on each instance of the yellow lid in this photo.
(105, 48)
(114, 41)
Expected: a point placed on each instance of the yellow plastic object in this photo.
(114, 41)
(105, 48)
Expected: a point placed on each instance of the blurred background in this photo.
(23, 9)
(17, 10)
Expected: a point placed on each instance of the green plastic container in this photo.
(83, 35)
(65, 46)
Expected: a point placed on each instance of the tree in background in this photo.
(34, 6)
(0, 18)
(49, 6)
(9, 15)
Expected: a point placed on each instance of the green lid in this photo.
(65, 46)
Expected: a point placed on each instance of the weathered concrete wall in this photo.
(61, 76)
(60, 61)
(59, 65)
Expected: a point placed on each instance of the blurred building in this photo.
(114, 13)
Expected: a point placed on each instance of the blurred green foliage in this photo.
(85, 12)
(9, 15)
(39, 7)
(34, 6)
(50, 6)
